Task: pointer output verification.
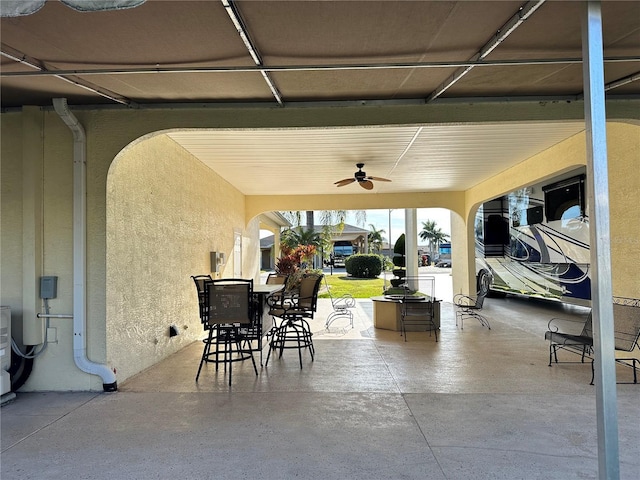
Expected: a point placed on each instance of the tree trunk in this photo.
(309, 219)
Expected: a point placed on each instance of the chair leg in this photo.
(227, 356)
(292, 333)
(300, 344)
(205, 352)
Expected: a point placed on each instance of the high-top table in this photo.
(262, 292)
(387, 313)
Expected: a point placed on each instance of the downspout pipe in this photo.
(109, 383)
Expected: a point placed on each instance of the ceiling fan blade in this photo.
(346, 181)
(378, 179)
(366, 184)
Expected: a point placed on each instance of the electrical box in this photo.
(48, 287)
(217, 261)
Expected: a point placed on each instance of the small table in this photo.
(387, 313)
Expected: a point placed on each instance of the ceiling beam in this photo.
(507, 29)
(40, 68)
(235, 17)
(42, 72)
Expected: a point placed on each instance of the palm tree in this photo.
(298, 236)
(432, 234)
(332, 222)
(375, 238)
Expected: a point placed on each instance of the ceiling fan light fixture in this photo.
(364, 180)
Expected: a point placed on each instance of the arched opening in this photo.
(166, 212)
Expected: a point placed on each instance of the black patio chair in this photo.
(294, 310)
(229, 315)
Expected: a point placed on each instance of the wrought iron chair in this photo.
(341, 307)
(229, 314)
(294, 310)
(417, 314)
(468, 306)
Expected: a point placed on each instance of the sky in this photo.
(380, 219)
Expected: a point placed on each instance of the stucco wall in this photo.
(623, 145)
(165, 212)
(38, 140)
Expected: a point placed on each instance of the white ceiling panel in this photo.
(415, 158)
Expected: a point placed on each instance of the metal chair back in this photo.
(229, 301)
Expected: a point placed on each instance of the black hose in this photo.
(19, 371)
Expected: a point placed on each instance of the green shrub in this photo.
(363, 265)
(398, 247)
(399, 262)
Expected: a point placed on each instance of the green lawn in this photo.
(357, 287)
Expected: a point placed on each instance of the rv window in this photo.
(565, 200)
(530, 216)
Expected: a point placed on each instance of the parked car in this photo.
(338, 261)
(444, 264)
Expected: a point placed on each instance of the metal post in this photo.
(601, 289)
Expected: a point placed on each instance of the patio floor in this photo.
(479, 404)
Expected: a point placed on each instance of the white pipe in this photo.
(80, 250)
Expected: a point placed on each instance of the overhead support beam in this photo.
(623, 81)
(507, 29)
(235, 17)
(305, 68)
(40, 67)
(599, 233)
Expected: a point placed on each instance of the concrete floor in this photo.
(479, 404)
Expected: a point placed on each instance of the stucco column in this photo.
(411, 243)
(276, 245)
(463, 258)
